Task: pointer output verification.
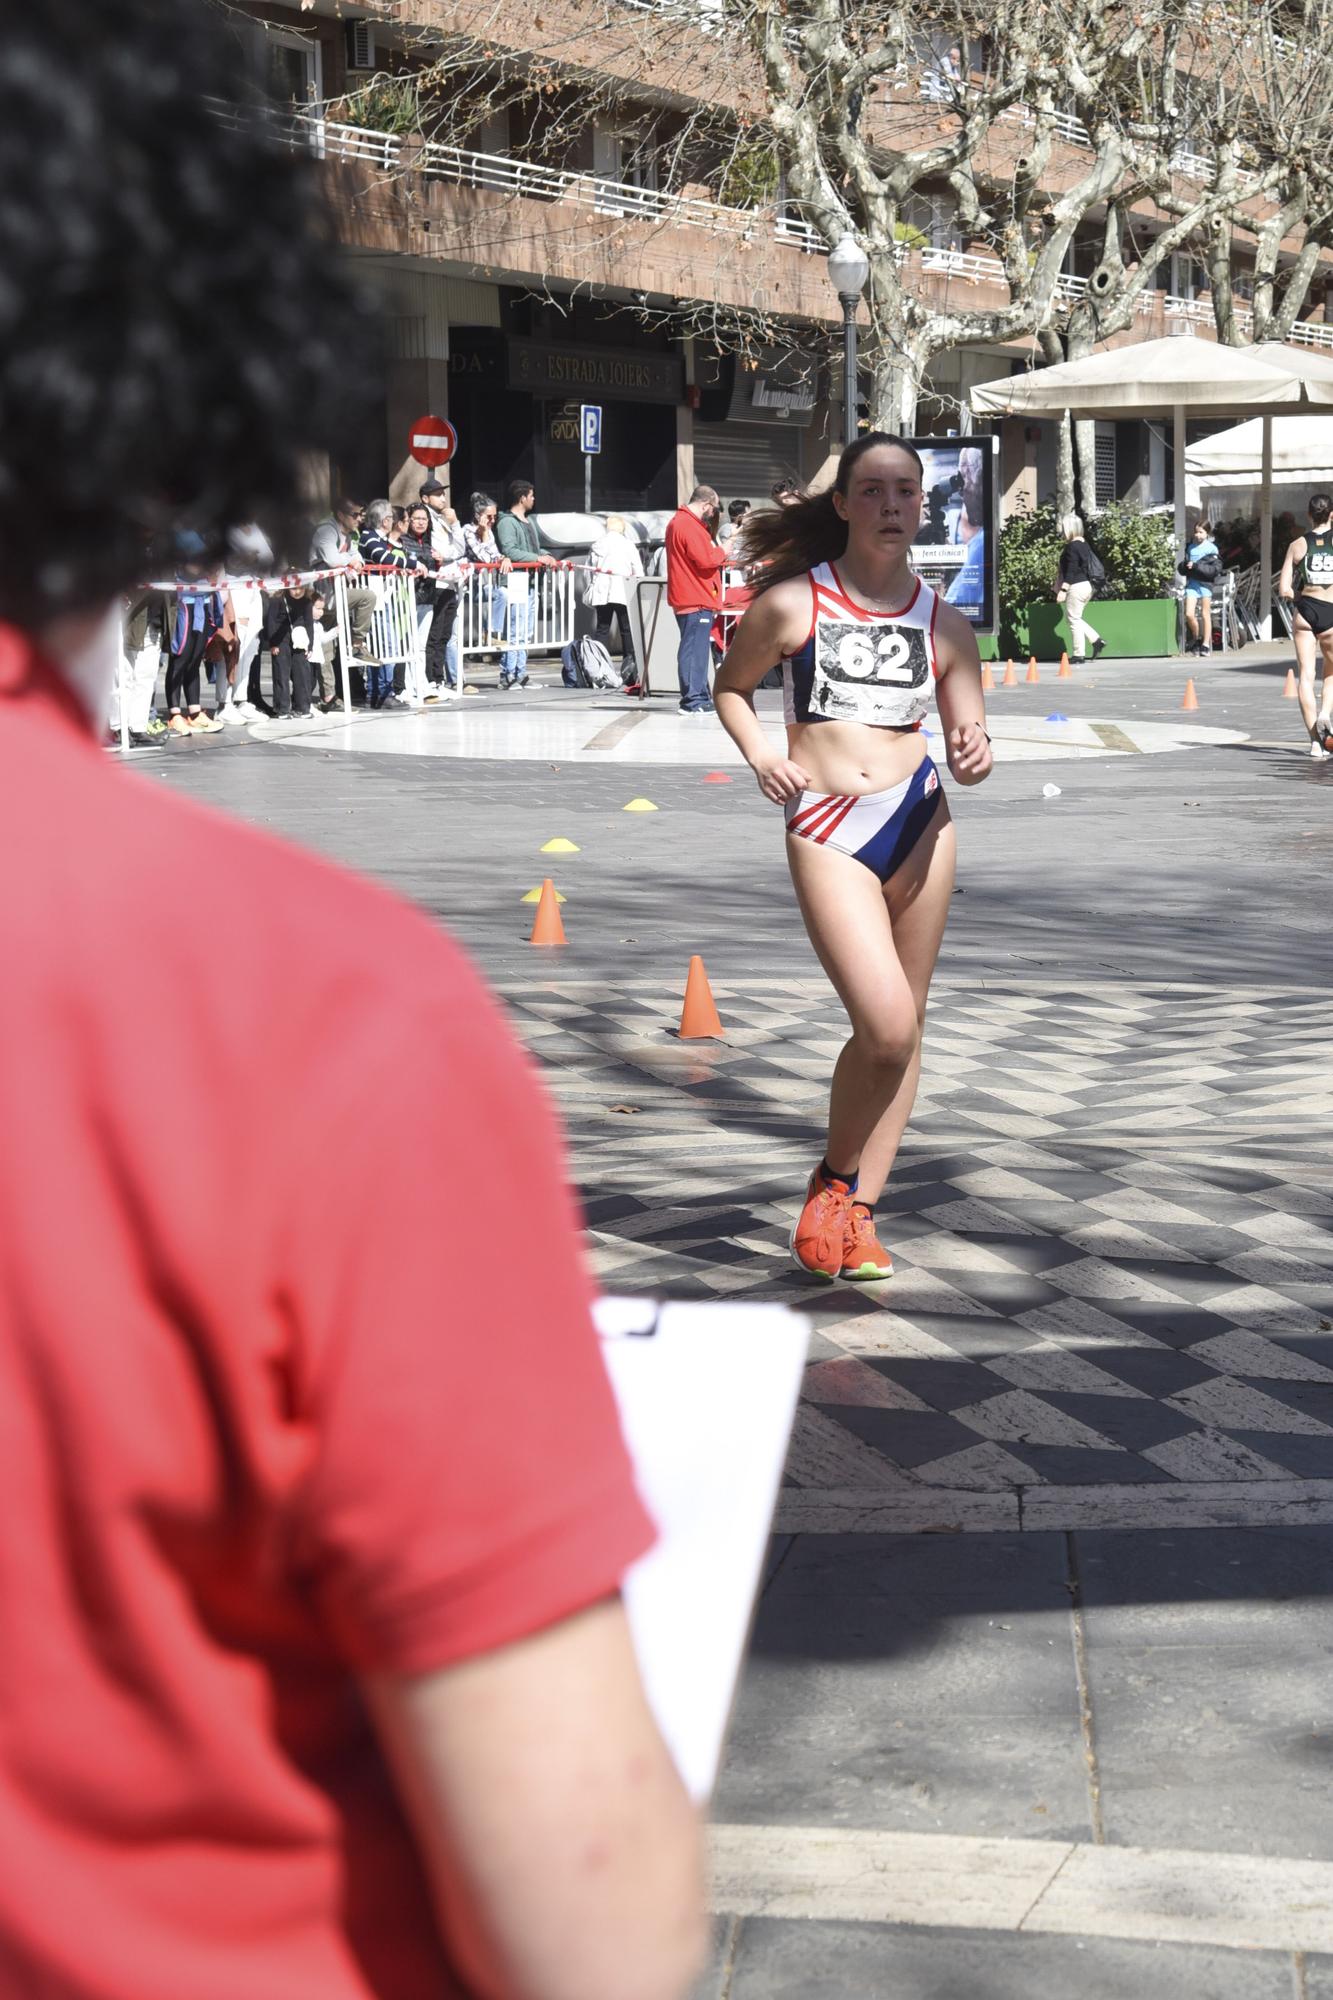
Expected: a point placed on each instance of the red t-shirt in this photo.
(297, 1379)
(694, 564)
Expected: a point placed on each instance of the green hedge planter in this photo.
(1133, 628)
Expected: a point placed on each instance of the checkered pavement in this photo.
(1112, 1221)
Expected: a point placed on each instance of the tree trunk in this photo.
(1064, 468)
(1085, 443)
(896, 371)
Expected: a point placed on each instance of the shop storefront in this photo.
(753, 416)
(515, 402)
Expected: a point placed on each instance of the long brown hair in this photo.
(788, 541)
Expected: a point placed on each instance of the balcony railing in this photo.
(503, 175)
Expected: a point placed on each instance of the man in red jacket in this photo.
(694, 591)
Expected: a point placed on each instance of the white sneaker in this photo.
(1318, 752)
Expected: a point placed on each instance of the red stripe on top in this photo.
(808, 821)
(834, 823)
(814, 609)
(860, 610)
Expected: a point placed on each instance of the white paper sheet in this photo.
(706, 1403)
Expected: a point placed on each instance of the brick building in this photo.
(551, 260)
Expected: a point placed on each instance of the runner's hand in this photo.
(970, 757)
(779, 779)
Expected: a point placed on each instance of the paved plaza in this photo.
(1039, 1694)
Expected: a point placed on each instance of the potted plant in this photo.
(1133, 611)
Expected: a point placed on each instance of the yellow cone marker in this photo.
(640, 806)
(559, 846)
(535, 895)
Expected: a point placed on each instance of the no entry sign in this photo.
(432, 441)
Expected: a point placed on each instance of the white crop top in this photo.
(859, 665)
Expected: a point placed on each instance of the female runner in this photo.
(869, 838)
(1312, 625)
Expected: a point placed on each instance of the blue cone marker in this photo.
(1057, 718)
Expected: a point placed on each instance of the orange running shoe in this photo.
(821, 1227)
(863, 1255)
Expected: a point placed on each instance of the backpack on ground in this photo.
(569, 666)
(595, 666)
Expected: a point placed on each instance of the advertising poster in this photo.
(955, 548)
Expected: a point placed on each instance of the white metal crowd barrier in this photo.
(392, 639)
(531, 610)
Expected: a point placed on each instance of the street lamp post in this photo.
(848, 269)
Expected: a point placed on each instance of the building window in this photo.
(624, 162)
(292, 67)
(1104, 465)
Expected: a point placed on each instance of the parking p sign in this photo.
(590, 427)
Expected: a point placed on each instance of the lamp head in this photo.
(848, 267)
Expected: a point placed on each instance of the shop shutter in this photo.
(743, 460)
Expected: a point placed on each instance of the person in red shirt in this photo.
(694, 591)
(315, 1682)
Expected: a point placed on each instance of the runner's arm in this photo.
(774, 626)
(1295, 553)
(959, 698)
(564, 1856)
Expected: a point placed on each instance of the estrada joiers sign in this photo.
(545, 369)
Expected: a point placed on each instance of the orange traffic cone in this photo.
(987, 678)
(1066, 672)
(548, 927)
(1032, 674)
(1191, 698)
(1289, 686)
(698, 1017)
(1010, 677)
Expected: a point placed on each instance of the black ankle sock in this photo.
(829, 1173)
(868, 1206)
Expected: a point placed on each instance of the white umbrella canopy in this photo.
(1302, 452)
(1155, 378)
(1177, 375)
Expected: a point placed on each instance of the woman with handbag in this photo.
(1201, 567)
(1080, 573)
(614, 566)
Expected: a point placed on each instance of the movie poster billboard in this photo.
(955, 548)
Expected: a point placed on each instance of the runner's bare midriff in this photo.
(852, 758)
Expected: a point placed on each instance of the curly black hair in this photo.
(177, 327)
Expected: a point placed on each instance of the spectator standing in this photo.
(380, 550)
(449, 548)
(334, 545)
(484, 551)
(222, 651)
(147, 625)
(419, 550)
(198, 615)
(250, 557)
(517, 538)
(289, 636)
(729, 535)
(1201, 567)
(614, 566)
(1080, 573)
(694, 591)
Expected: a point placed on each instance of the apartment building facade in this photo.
(551, 259)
